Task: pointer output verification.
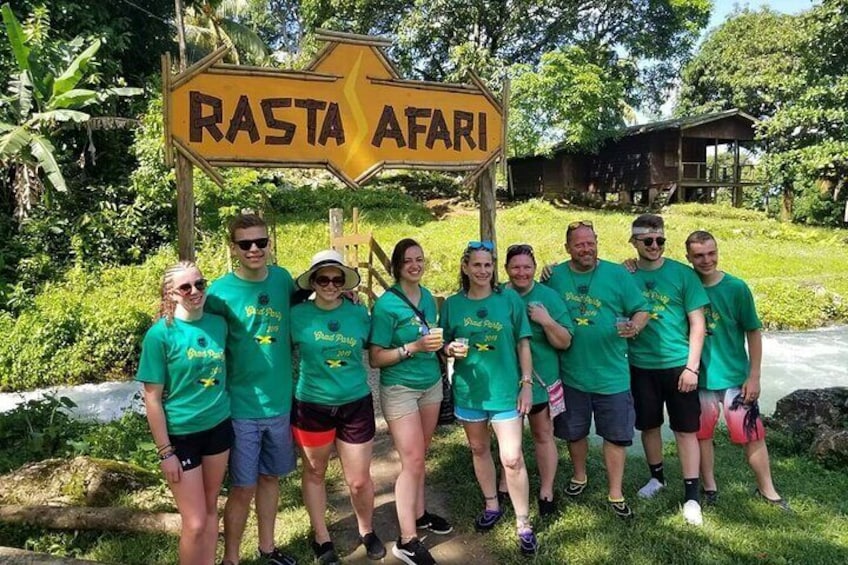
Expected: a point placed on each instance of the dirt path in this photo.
(452, 549)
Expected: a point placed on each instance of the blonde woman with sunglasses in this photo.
(184, 373)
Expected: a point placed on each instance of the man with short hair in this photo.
(255, 299)
(732, 381)
(665, 360)
(607, 309)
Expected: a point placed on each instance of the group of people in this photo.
(593, 340)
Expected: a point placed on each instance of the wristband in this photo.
(167, 455)
(159, 450)
(526, 380)
(404, 352)
(694, 372)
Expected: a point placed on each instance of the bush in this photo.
(788, 305)
(86, 328)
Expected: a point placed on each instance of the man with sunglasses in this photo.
(665, 360)
(606, 308)
(255, 299)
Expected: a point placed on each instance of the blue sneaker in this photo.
(527, 542)
(487, 519)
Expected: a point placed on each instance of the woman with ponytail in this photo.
(184, 375)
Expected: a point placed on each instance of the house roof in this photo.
(685, 123)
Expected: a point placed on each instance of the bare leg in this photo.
(214, 467)
(512, 458)
(546, 452)
(409, 443)
(689, 453)
(356, 465)
(235, 520)
(757, 454)
(579, 453)
(315, 461)
(190, 494)
(707, 464)
(429, 420)
(480, 443)
(267, 501)
(614, 458)
(652, 442)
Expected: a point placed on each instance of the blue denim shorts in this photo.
(474, 415)
(613, 413)
(261, 447)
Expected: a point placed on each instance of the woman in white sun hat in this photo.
(333, 404)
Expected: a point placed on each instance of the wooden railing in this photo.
(705, 172)
(350, 247)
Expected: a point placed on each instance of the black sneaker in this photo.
(575, 488)
(547, 507)
(621, 509)
(325, 553)
(434, 523)
(780, 503)
(413, 552)
(710, 497)
(277, 557)
(373, 546)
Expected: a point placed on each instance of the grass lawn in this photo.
(799, 274)
(739, 529)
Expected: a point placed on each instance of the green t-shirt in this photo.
(259, 342)
(487, 379)
(730, 314)
(672, 291)
(188, 359)
(331, 343)
(597, 361)
(546, 357)
(393, 323)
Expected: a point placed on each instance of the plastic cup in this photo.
(438, 332)
(621, 323)
(463, 344)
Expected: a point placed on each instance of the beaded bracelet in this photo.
(167, 455)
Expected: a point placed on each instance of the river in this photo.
(791, 360)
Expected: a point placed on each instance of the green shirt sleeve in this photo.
(749, 320)
(383, 324)
(153, 365)
(694, 294)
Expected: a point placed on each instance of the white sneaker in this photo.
(692, 513)
(651, 489)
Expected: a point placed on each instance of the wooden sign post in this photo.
(349, 111)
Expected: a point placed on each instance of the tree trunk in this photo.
(15, 556)
(787, 203)
(178, 7)
(92, 518)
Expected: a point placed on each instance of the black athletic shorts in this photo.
(317, 425)
(653, 387)
(192, 448)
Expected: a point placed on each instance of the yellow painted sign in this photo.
(349, 112)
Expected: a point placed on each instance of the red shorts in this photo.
(711, 405)
(317, 425)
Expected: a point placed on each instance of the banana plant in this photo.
(39, 102)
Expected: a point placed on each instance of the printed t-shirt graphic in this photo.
(597, 360)
(672, 291)
(393, 323)
(259, 344)
(188, 359)
(546, 357)
(331, 343)
(730, 314)
(487, 379)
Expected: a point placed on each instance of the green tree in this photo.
(41, 101)
(753, 61)
(211, 23)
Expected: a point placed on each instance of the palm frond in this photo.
(16, 37)
(75, 98)
(245, 40)
(74, 73)
(43, 150)
(13, 141)
(61, 115)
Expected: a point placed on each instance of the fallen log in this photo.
(108, 518)
(15, 556)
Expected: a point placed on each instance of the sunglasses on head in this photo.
(247, 244)
(520, 249)
(478, 245)
(324, 280)
(580, 224)
(649, 241)
(185, 288)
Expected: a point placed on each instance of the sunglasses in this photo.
(323, 281)
(247, 244)
(519, 249)
(580, 223)
(185, 288)
(649, 241)
(478, 245)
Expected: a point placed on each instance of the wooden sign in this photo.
(348, 111)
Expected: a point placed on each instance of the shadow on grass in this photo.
(740, 529)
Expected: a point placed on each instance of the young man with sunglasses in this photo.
(255, 299)
(607, 309)
(732, 383)
(665, 360)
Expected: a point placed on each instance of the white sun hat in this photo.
(328, 258)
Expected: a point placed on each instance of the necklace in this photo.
(583, 289)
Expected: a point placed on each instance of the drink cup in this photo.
(462, 350)
(439, 332)
(621, 323)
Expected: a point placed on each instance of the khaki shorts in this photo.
(398, 400)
